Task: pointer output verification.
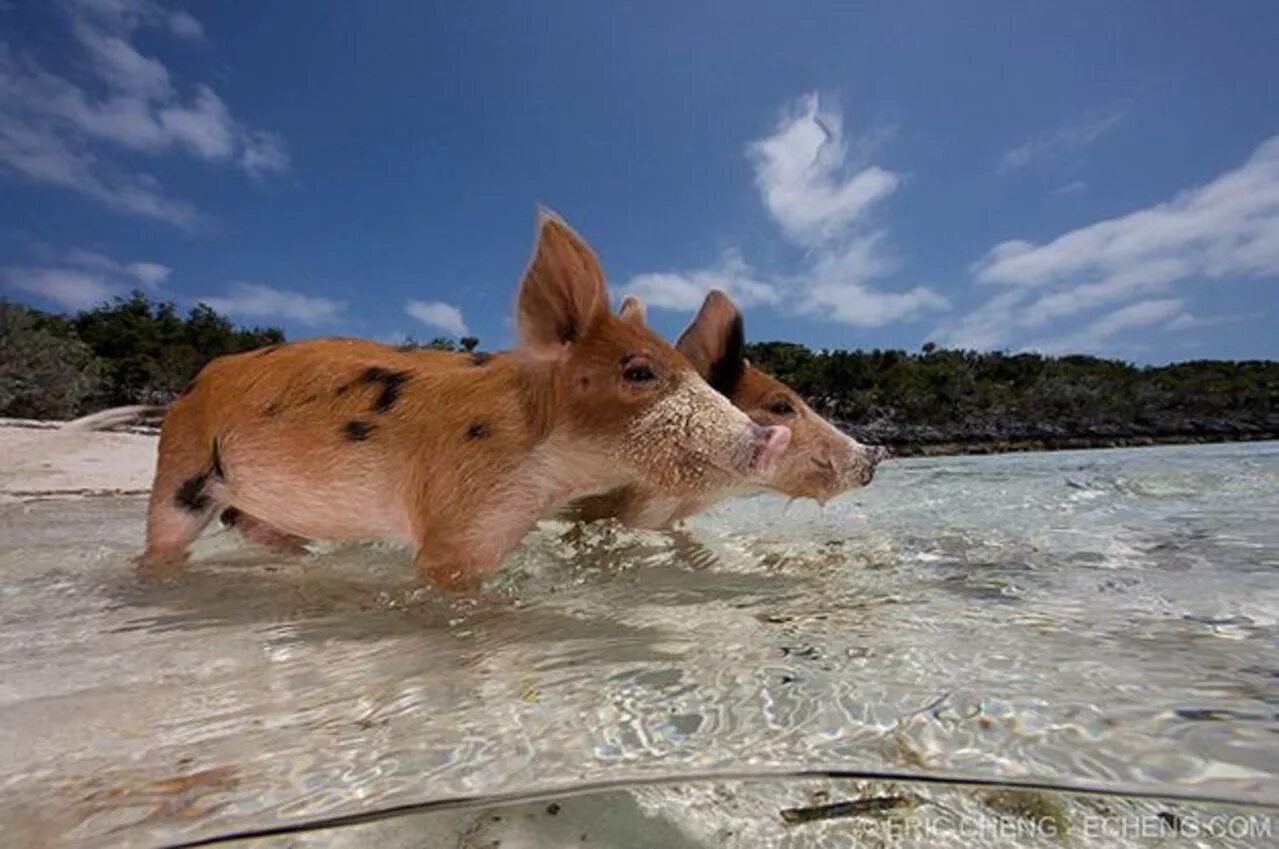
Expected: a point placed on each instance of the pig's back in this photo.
(332, 438)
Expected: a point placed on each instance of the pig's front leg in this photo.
(459, 558)
(451, 569)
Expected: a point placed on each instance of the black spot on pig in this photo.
(358, 431)
(478, 430)
(392, 382)
(191, 494)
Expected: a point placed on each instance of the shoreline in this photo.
(1015, 445)
(41, 461)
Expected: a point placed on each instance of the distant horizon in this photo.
(426, 339)
(1086, 178)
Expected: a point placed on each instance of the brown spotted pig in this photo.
(343, 438)
(820, 463)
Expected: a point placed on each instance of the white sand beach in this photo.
(43, 460)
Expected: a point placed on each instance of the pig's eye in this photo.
(638, 374)
(781, 407)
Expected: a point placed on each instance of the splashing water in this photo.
(1102, 618)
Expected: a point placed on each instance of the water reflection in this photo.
(1103, 617)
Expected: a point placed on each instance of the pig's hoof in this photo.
(153, 565)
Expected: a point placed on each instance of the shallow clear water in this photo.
(1093, 618)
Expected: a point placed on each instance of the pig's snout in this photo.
(767, 446)
(852, 463)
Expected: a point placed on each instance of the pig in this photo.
(458, 457)
(821, 462)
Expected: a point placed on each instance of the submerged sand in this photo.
(42, 460)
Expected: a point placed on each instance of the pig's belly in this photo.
(320, 509)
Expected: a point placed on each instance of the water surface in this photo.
(1091, 618)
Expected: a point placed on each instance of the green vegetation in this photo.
(130, 351)
(136, 350)
(942, 400)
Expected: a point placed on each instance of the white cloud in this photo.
(1100, 334)
(58, 132)
(254, 300)
(85, 279)
(263, 152)
(46, 158)
(204, 126)
(183, 25)
(837, 287)
(1078, 135)
(1071, 188)
(685, 290)
(67, 287)
(803, 173)
(1226, 228)
(149, 274)
(437, 315)
(91, 259)
(818, 189)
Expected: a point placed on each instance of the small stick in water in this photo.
(855, 808)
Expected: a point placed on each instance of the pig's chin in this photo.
(688, 471)
(817, 484)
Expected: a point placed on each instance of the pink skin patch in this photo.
(770, 444)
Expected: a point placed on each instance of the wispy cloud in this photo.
(684, 290)
(438, 316)
(149, 274)
(84, 279)
(818, 187)
(1074, 136)
(62, 133)
(1100, 334)
(70, 288)
(838, 287)
(255, 300)
(184, 25)
(1227, 228)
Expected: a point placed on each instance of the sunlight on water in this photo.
(1098, 617)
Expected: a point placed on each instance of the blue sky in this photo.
(1094, 176)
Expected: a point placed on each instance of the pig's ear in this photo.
(715, 343)
(562, 293)
(632, 310)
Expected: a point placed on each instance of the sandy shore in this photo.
(39, 460)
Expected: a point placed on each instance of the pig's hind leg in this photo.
(182, 501)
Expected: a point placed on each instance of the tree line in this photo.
(137, 350)
(956, 399)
